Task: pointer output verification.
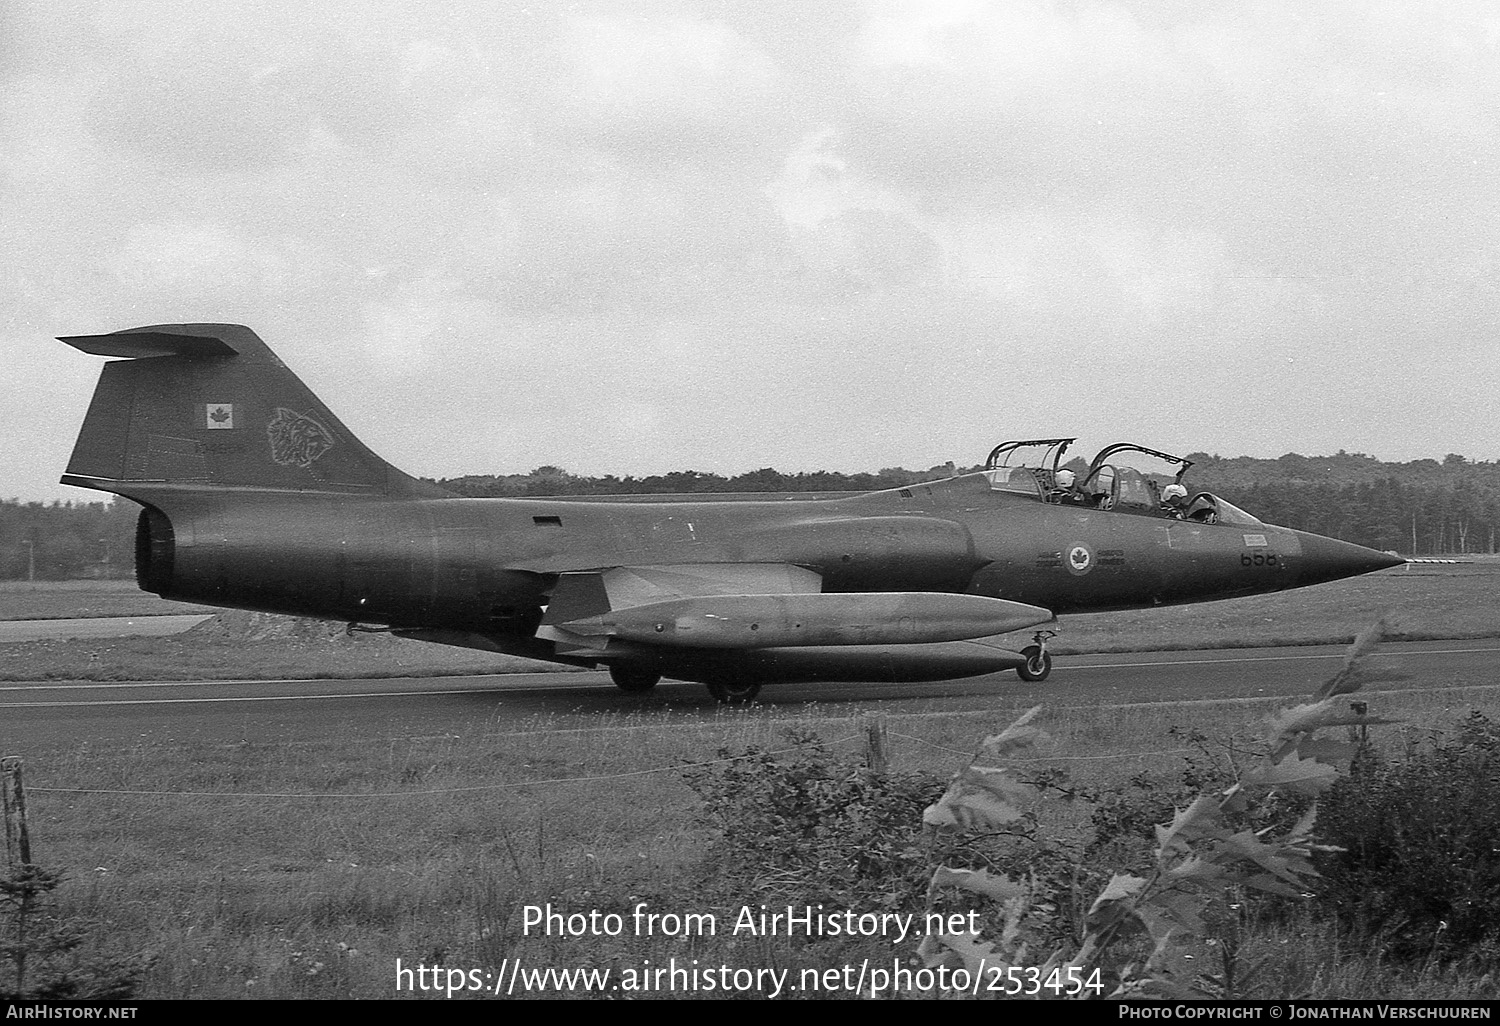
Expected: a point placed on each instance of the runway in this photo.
(44, 716)
(99, 627)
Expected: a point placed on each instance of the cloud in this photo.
(799, 232)
(205, 263)
(963, 96)
(668, 89)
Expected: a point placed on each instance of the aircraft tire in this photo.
(733, 694)
(1037, 666)
(633, 680)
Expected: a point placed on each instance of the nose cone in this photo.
(1327, 559)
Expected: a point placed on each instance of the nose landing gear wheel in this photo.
(1038, 662)
(633, 680)
(1037, 665)
(733, 694)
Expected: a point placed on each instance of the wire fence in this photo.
(513, 785)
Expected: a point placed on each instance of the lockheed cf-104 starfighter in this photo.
(255, 496)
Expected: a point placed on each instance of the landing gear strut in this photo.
(1038, 662)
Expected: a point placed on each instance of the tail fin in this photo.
(209, 405)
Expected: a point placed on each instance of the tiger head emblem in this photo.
(296, 439)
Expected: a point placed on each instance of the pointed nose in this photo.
(1328, 559)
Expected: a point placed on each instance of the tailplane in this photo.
(210, 406)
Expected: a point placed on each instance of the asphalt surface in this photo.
(43, 716)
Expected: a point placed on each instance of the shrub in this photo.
(807, 827)
(1420, 867)
(803, 826)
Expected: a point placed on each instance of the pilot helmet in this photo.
(1173, 491)
(1065, 479)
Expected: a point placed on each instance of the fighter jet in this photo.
(255, 496)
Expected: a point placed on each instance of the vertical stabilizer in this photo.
(210, 406)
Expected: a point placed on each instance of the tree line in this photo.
(67, 540)
(1424, 507)
(556, 481)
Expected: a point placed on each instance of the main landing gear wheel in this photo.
(633, 680)
(733, 694)
(1038, 662)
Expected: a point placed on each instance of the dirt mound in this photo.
(238, 625)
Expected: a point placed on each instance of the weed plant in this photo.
(1256, 836)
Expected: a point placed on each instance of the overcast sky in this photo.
(635, 237)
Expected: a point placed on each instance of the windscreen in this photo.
(1229, 513)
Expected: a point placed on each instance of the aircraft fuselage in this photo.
(489, 564)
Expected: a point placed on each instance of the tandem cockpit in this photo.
(1110, 481)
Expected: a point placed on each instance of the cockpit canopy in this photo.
(1034, 467)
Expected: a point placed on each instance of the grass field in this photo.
(1423, 602)
(307, 870)
(199, 656)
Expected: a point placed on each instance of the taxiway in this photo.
(59, 716)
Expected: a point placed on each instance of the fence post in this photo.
(17, 841)
(873, 725)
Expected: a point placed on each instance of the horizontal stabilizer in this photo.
(138, 345)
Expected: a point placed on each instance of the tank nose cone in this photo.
(1327, 559)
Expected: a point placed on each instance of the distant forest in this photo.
(66, 540)
(1424, 507)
